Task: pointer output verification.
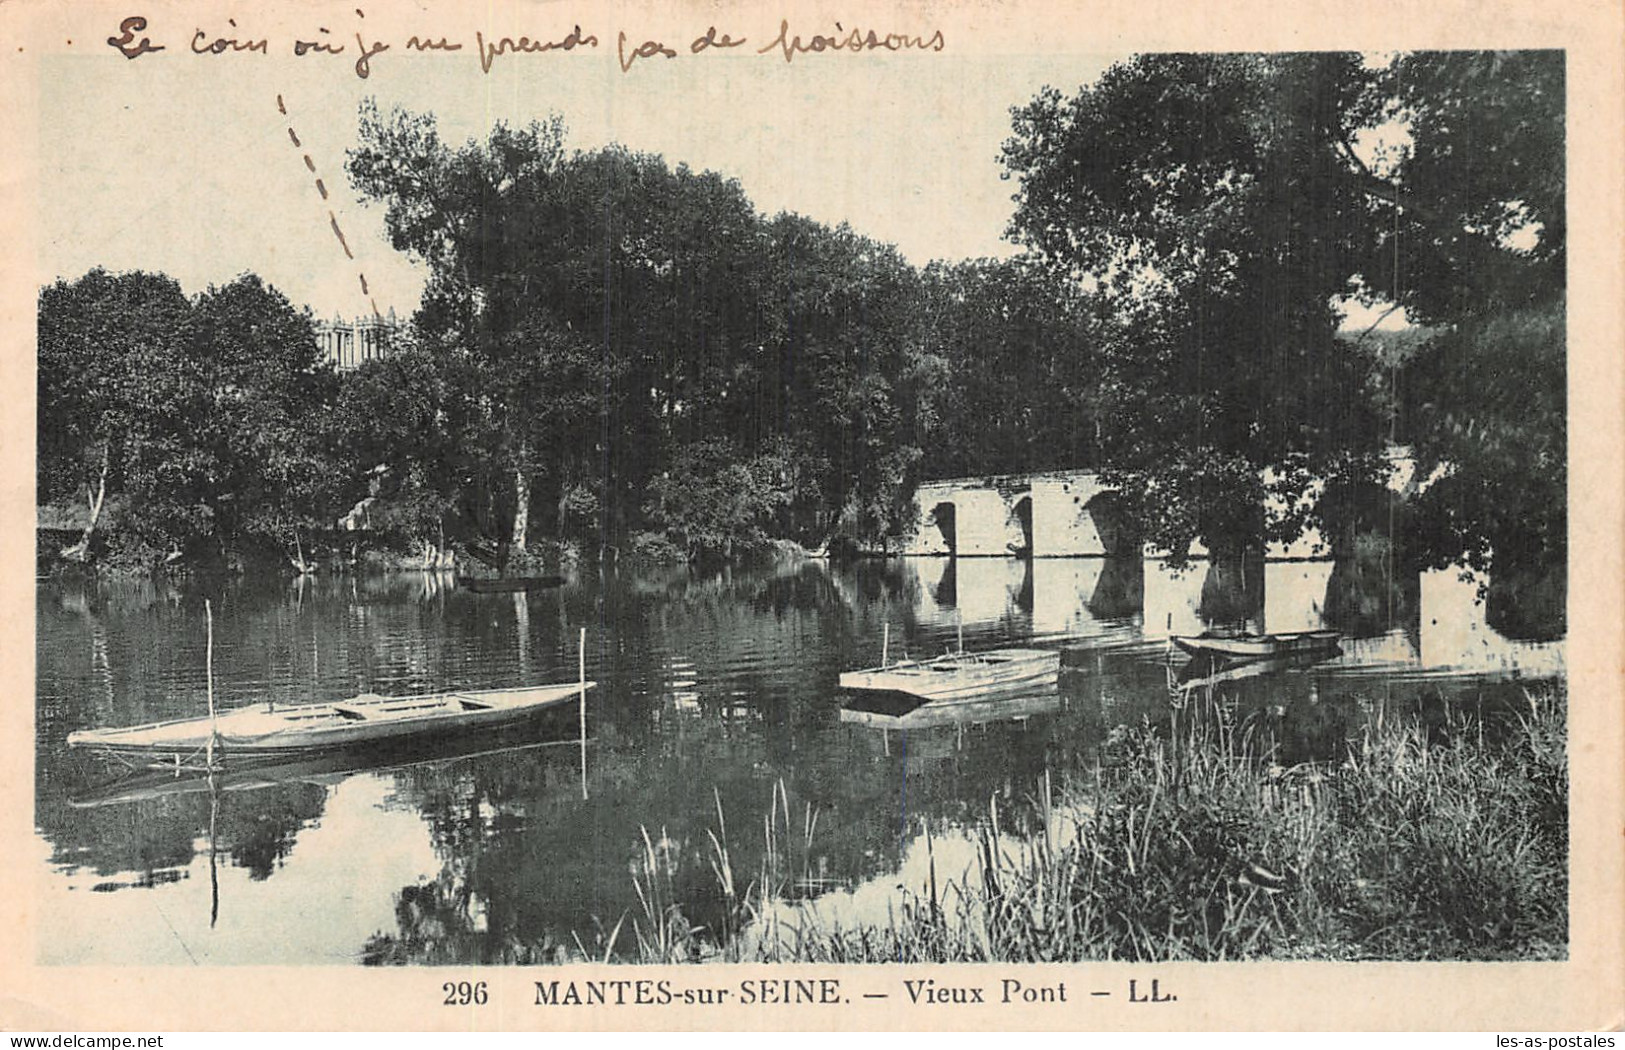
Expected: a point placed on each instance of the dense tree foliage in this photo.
(615, 353)
(604, 324)
(210, 421)
(1481, 244)
(1017, 357)
(1209, 200)
(1223, 205)
(111, 350)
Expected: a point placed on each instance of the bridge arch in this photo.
(1036, 515)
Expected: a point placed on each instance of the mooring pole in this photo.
(885, 642)
(214, 872)
(208, 676)
(581, 706)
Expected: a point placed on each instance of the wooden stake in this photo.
(581, 651)
(208, 673)
(885, 643)
(214, 872)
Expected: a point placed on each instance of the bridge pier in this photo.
(1065, 525)
(982, 520)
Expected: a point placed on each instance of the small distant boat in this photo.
(1258, 646)
(262, 731)
(508, 584)
(958, 674)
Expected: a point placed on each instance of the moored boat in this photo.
(958, 674)
(264, 730)
(1258, 646)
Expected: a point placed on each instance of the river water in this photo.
(716, 690)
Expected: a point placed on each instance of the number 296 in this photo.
(464, 993)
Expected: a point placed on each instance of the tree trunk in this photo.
(521, 510)
(81, 550)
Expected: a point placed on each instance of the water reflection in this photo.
(715, 687)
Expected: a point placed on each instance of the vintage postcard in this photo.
(903, 516)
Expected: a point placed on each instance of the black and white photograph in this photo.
(638, 496)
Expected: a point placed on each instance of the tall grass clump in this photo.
(1454, 851)
(1191, 842)
(1195, 845)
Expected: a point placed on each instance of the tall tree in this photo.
(261, 465)
(616, 322)
(1210, 198)
(843, 322)
(210, 421)
(1020, 376)
(1224, 204)
(1478, 230)
(109, 348)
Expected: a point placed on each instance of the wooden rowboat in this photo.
(262, 731)
(1258, 646)
(958, 674)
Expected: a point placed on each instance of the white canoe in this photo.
(958, 674)
(366, 719)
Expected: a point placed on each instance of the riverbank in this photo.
(59, 531)
(1191, 843)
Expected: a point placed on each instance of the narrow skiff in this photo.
(959, 674)
(262, 730)
(1258, 646)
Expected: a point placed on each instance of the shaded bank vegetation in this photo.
(613, 355)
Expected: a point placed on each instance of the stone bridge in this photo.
(1064, 514)
(1057, 514)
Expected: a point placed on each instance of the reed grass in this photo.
(1191, 842)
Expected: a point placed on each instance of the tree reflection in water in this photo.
(716, 682)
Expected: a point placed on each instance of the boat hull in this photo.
(958, 675)
(1259, 646)
(247, 773)
(1002, 705)
(370, 719)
